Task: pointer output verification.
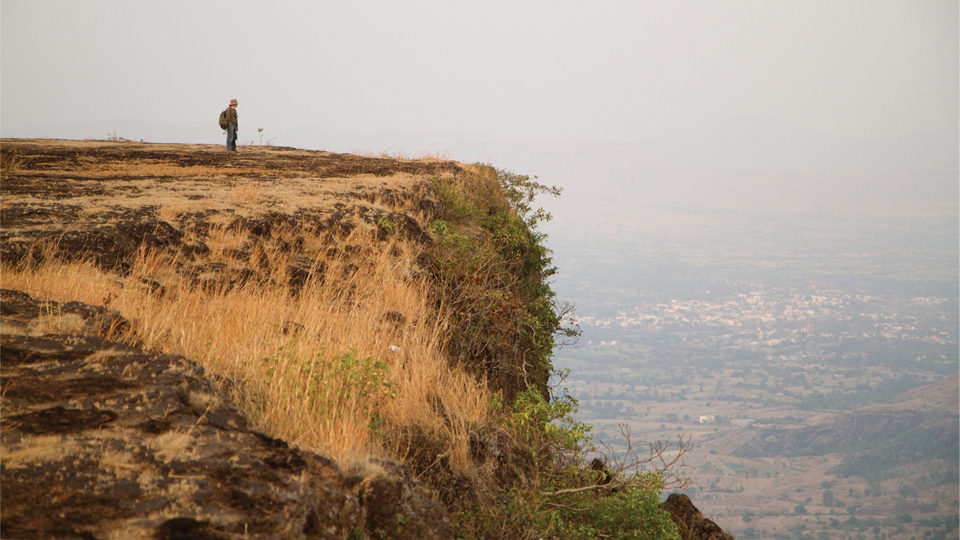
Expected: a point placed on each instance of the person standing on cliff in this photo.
(232, 127)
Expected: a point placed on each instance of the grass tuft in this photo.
(10, 162)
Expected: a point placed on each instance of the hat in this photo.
(233, 102)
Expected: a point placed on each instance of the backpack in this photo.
(223, 119)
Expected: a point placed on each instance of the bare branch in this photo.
(660, 460)
(577, 490)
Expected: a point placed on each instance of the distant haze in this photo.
(693, 97)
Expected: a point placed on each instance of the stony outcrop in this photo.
(692, 524)
(102, 440)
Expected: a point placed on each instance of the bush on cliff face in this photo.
(505, 322)
(562, 497)
(493, 267)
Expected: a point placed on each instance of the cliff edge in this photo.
(279, 343)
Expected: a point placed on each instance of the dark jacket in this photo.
(231, 115)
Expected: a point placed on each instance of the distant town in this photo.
(771, 318)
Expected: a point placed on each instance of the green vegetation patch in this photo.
(915, 445)
(494, 269)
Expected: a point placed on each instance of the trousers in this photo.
(232, 137)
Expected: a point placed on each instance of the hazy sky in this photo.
(620, 71)
(737, 88)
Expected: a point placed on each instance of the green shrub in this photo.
(551, 434)
(632, 513)
(469, 196)
(494, 269)
(453, 205)
(563, 498)
(340, 383)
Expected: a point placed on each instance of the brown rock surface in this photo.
(101, 440)
(692, 524)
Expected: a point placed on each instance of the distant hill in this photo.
(919, 425)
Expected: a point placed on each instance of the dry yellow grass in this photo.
(148, 168)
(38, 449)
(247, 193)
(325, 369)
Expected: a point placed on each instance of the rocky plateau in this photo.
(104, 440)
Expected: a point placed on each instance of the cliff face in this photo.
(340, 306)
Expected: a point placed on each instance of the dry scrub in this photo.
(357, 353)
